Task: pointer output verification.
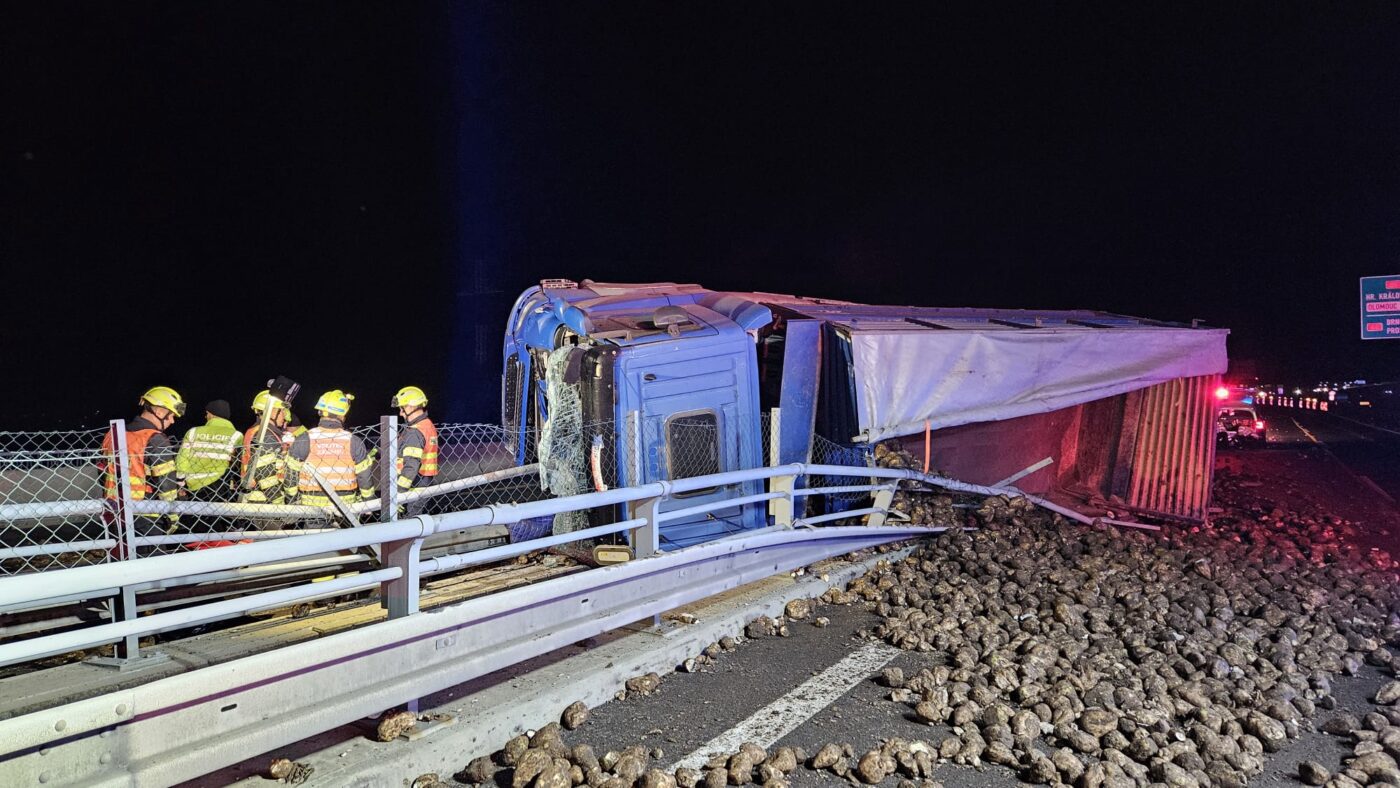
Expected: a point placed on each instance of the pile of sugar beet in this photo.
(1087, 657)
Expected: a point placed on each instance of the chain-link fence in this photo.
(71, 498)
(51, 504)
(829, 452)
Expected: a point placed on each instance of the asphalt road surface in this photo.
(1371, 452)
(818, 686)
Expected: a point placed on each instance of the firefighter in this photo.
(150, 457)
(337, 456)
(264, 466)
(418, 443)
(206, 452)
(295, 429)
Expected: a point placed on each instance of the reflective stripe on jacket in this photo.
(270, 468)
(149, 460)
(418, 452)
(329, 450)
(329, 455)
(206, 453)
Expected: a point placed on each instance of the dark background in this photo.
(204, 196)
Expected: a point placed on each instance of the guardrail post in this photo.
(646, 538)
(127, 651)
(388, 468)
(400, 595)
(124, 604)
(883, 499)
(782, 508)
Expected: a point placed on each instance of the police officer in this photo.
(206, 452)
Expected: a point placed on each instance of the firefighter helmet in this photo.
(336, 403)
(409, 397)
(262, 399)
(164, 397)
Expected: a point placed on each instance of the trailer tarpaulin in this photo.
(905, 378)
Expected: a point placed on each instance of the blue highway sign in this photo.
(1380, 307)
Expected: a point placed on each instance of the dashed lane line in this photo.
(784, 715)
(1307, 434)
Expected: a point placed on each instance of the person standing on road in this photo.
(206, 454)
(331, 452)
(150, 458)
(417, 464)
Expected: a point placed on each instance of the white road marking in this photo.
(1309, 435)
(781, 717)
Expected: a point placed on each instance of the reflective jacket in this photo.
(270, 468)
(418, 453)
(337, 456)
(150, 459)
(206, 453)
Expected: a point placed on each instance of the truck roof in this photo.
(619, 306)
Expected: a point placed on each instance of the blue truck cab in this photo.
(661, 378)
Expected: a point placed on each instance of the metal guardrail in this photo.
(399, 542)
(177, 728)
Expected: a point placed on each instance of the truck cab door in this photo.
(698, 415)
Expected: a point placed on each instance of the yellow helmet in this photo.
(409, 397)
(263, 398)
(164, 397)
(336, 403)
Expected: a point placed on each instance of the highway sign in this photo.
(1380, 307)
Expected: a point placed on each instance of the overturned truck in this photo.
(626, 384)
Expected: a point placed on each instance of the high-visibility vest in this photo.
(247, 449)
(329, 455)
(136, 441)
(248, 437)
(429, 465)
(206, 452)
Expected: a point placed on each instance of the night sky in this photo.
(353, 194)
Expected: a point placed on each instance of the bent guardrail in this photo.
(400, 541)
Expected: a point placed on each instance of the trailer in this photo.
(660, 381)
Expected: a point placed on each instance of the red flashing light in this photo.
(1222, 393)
(1258, 425)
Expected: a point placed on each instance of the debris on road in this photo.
(1198, 651)
(919, 506)
(643, 685)
(762, 626)
(1089, 656)
(289, 772)
(575, 715)
(798, 610)
(395, 725)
